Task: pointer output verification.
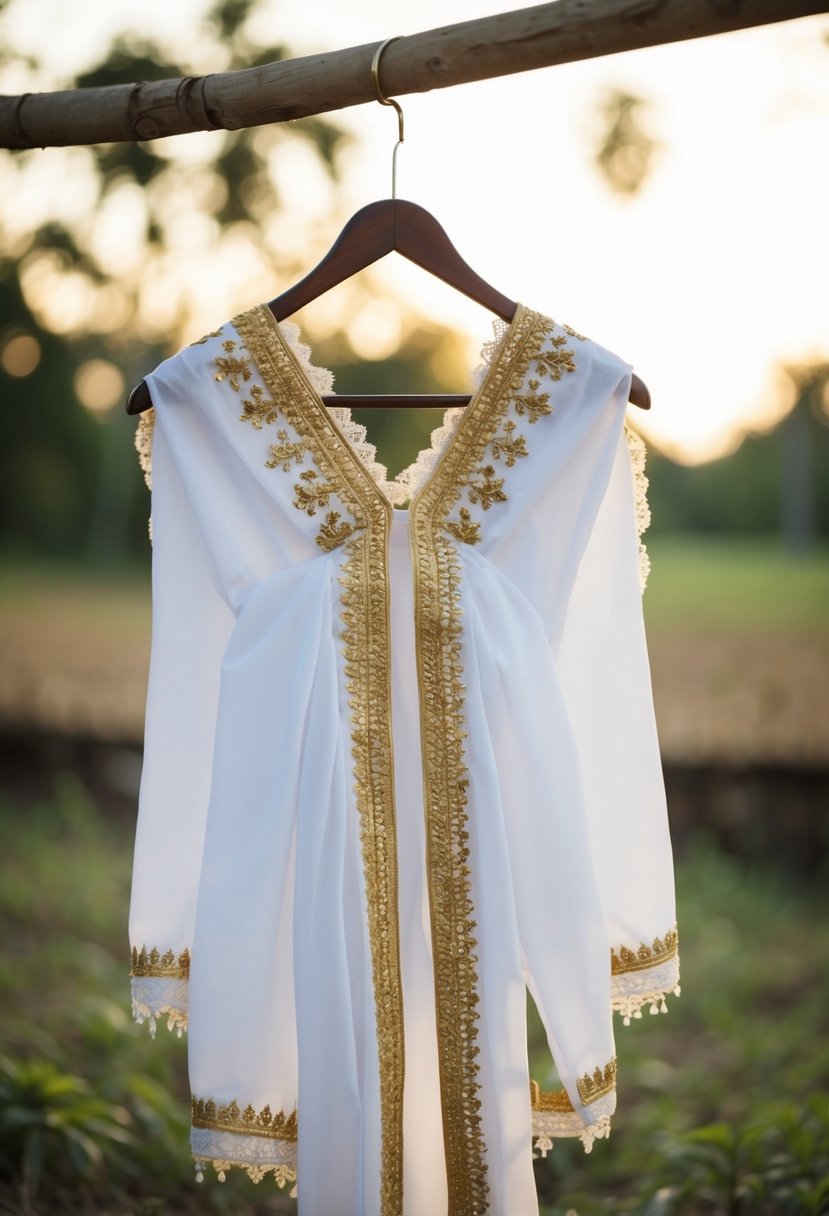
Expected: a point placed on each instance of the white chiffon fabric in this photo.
(250, 910)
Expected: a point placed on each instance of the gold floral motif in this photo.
(595, 1085)
(233, 368)
(487, 489)
(214, 333)
(259, 409)
(465, 528)
(533, 403)
(311, 492)
(332, 533)
(248, 1122)
(284, 452)
(556, 362)
(643, 957)
(367, 652)
(509, 445)
(162, 966)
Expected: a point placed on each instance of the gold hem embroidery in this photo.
(367, 651)
(208, 1114)
(437, 590)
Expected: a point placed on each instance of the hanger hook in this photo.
(388, 101)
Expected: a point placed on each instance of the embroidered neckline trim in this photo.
(403, 487)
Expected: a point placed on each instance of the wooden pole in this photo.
(520, 41)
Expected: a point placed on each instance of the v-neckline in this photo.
(451, 422)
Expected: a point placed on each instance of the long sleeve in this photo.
(602, 662)
(191, 625)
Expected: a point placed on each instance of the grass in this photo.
(725, 584)
(746, 1040)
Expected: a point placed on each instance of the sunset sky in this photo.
(707, 281)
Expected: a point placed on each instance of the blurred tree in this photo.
(114, 249)
(626, 150)
(774, 483)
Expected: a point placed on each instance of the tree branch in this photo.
(548, 34)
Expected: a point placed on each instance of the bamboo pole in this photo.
(548, 34)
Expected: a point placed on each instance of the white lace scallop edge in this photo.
(638, 460)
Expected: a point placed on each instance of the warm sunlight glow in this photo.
(99, 386)
(708, 280)
(20, 354)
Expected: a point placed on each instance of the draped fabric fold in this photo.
(400, 770)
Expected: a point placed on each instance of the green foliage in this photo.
(51, 1124)
(775, 1164)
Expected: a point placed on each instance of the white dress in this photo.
(400, 768)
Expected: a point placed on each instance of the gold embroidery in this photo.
(488, 489)
(153, 963)
(332, 533)
(602, 1081)
(555, 1100)
(556, 362)
(214, 333)
(259, 409)
(284, 452)
(509, 445)
(437, 586)
(311, 493)
(248, 1122)
(532, 403)
(591, 1087)
(234, 368)
(645, 956)
(144, 444)
(465, 528)
(367, 650)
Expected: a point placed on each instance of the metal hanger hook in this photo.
(388, 101)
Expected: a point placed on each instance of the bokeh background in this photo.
(672, 204)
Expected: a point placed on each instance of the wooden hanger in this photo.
(391, 225)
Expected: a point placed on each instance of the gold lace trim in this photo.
(638, 459)
(437, 590)
(662, 949)
(367, 650)
(160, 966)
(144, 444)
(248, 1122)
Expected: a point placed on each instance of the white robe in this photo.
(400, 767)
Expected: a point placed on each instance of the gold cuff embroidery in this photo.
(162, 966)
(644, 956)
(208, 1114)
(591, 1087)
